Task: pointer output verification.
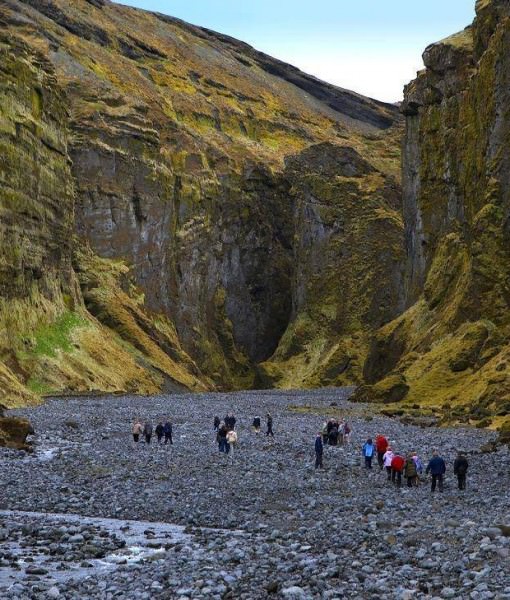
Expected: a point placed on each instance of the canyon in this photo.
(182, 212)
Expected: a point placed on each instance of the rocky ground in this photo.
(91, 515)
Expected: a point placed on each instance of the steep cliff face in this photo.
(191, 162)
(36, 219)
(450, 349)
(48, 340)
(348, 253)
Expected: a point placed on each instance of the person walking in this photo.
(137, 430)
(216, 423)
(325, 433)
(387, 458)
(231, 442)
(341, 429)
(397, 466)
(159, 431)
(368, 452)
(410, 471)
(147, 432)
(333, 435)
(460, 467)
(319, 451)
(381, 445)
(347, 433)
(256, 424)
(168, 430)
(419, 468)
(269, 425)
(437, 468)
(221, 437)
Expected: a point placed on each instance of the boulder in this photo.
(392, 388)
(14, 432)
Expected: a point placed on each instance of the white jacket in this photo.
(388, 457)
(232, 437)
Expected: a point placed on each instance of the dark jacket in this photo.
(167, 428)
(230, 422)
(331, 423)
(256, 422)
(460, 466)
(436, 466)
(159, 430)
(319, 447)
(217, 422)
(410, 469)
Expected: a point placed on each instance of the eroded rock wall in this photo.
(450, 349)
(348, 256)
(49, 342)
(178, 143)
(36, 225)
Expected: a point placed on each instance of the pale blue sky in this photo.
(370, 46)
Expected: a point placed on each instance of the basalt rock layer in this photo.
(189, 206)
(451, 349)
(49, 340)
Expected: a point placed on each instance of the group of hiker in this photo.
(410, 466)
(336, 432)
(396, 465)
(226, 435)
(162, 430)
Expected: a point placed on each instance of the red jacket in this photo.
(397, 464)
(381, 443)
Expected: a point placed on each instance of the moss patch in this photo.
(50, 339)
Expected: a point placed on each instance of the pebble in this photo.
(152, 522)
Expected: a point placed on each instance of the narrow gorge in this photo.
(182, 212)
(191, 231)
(220, 219)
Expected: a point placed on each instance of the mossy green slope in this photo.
(449, 351)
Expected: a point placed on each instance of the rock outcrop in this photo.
(451, 348)
(14, 432)
(48, 340)
(347, 279)
(213, 191)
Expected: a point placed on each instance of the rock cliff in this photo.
(450, 350)
(200, 213)
(181, 211)
(49, 341)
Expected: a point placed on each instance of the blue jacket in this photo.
(368, 449)
(436, 466)
(319, 447)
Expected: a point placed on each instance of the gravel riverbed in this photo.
(92, 515)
